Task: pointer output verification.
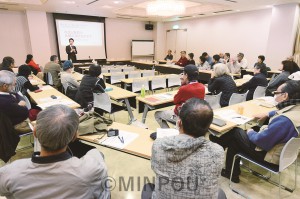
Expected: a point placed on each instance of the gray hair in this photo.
(7, 77)
(221, 69)
(56, 127)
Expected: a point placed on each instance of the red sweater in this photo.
(182, 62)
(186, 92)
(34, 65)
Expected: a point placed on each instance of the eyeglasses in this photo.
(278, 92)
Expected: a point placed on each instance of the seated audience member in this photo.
(265, 145)
(208, 58)
(190, 157)
(23, 83)
(84, 95)
(55, 166)
(54, 68)
(66, 76)
(34, 67)
(183, 60)
(11, 104)
(287, 68)
(189, 88)
(221, 81)
(239, 63)
(226, 58)
(169, 56)
(260, 60)
(7, 64)
(216, 60)
(191, 60)
(204, 65)
(259, 79)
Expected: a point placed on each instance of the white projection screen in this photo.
(89, 36)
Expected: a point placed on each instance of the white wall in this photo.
(119, 34)
(14, 37)
(39, 36)
(282, 33)
(242, 32)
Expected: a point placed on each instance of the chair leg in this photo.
(230, 183)
(279, 185)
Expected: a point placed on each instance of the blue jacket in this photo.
(280, 130)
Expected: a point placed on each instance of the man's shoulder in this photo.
(16, 167)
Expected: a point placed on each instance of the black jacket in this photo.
(71, 55)
(8, 138)
(84, 94)
(257, 80)
(224, 84)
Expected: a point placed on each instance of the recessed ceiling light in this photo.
(116, 2)
(194, 15)
(238, 10)
(269, 6)
(69, 2)
(106, 7)
(213, 13)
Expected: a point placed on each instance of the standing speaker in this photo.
(149, 26)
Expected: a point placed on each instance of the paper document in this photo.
(164, 96)
(232, 116)
(46, 88)
(160, 133)
(54, 102)
(267, 101)
(115, 142)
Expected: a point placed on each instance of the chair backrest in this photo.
(102, 101)
(50, 79)
(260, 91)
(213, 100)
(289, 153)
(128, 69)
(237, 98)
(115, 70)
(158, 82)
(137, 84)
(148, 73)
(116, 77)
(174, 80)
(105, 70)
(134, 74)
(28, 105)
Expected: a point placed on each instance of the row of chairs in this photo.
(117, 76)
(214, 100)
(156, 83)
(116, 70)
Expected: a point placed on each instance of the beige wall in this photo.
(14, 36)
(119, 34)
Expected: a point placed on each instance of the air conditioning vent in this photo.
(232, 1)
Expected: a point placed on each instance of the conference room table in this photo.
(249, 108)
(141, 146)
(270, 73)
(156, 101)
(50, 96)
(34, 80)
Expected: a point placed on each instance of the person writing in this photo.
(71, 50)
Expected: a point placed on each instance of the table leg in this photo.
(132, 119)
(146, 108)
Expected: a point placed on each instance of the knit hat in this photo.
(67, 65)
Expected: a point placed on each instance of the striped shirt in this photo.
(21, 80)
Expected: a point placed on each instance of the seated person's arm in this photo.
(212, 84)
(29, 86)
(3, 182)
(272, 135)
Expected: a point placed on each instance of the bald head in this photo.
(196, 116)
